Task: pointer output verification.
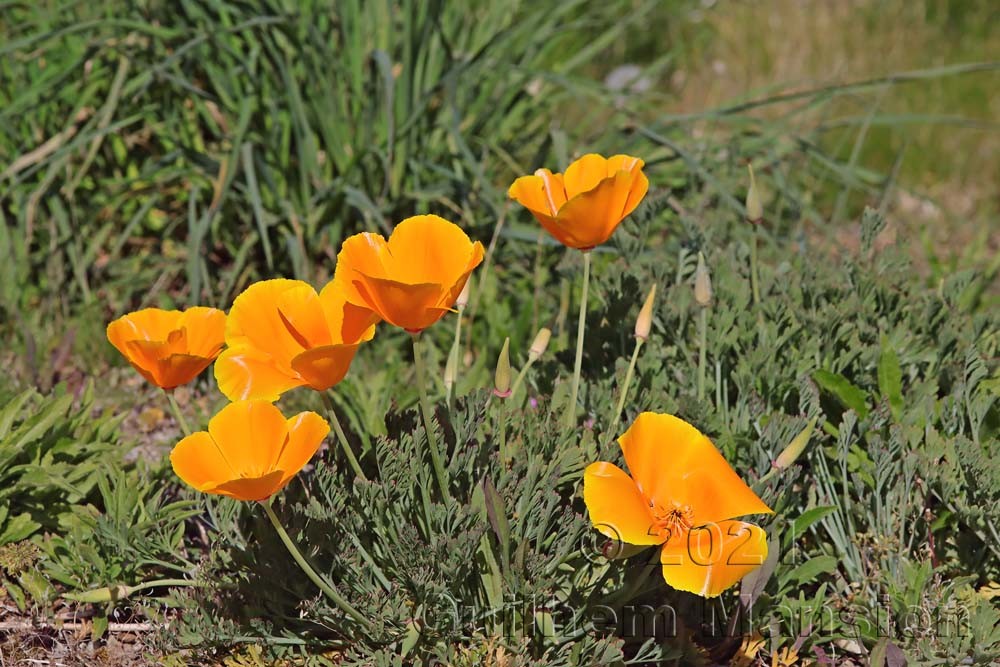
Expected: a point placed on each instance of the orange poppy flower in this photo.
(412, 279)
(281, 334)
(249, 452)
(682, 495)
(582, 207)
(169, 347)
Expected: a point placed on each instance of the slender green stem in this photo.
(428, 414)
(501, 420)
(341, 436)
(581, 326)
(628, 380)
(702, 335)
(520, 377)
(300, 560)
(178, 415)
(753, 267)
(455, 347)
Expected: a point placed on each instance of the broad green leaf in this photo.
(848, 394)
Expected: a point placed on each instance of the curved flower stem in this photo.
(702, 334)
(428, 414)
(176, 409)
(300, 560)
(341, 436)
(581, 325)
(628, 380)
(755, 288)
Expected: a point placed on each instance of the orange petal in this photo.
(621, 162)
(348, 322)
(251, 488)
(364, 253)
(593, 216)
(198, 461)
(323, 367)
(428, 249)
(250, 435)
(179, 369)
(584, 174)
(306, 431)
(616, 507)
(280, 317)
(205, 329)
(580, 234)
(542, 193)
(145, 355)
(708, 560)
(244, 373)
(147, 324)
(456, 288)
(412, 307)
(673, 463)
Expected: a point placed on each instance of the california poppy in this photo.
(169, 347)
(682, 495)
(412, 279)
(582, 207)
(250, 451)
(281, 334)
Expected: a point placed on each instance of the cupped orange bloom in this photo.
(683, 495)
(169, 347)
(582, 207)
(412, 279)
(281, 334)
(249, 452)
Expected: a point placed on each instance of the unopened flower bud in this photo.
(788, 456)
(755, 210)
(702, 283)
(540, 343)
(644, 322)
(501, 381)
(463, 296)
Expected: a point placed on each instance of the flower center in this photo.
(670, 521)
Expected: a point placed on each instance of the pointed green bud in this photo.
(501, 381)
(540, 343)
(644, 323)
(702, 283)
(755, 210)
(795, 448)
(101, 595)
